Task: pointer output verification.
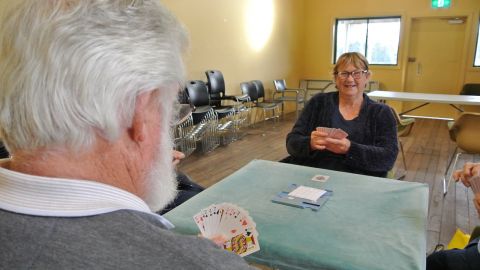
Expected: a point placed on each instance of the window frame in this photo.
(366, 37)
(477, 44)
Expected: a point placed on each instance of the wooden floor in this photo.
(427, 150)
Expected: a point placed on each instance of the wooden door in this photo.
(434, 62)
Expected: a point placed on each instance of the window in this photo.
(476, 63)
(376, 38)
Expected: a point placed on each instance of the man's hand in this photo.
(218, 239)
(476, 202)
(177, 156)
(469, 169)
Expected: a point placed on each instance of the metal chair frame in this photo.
(281, 88)
(463, 136)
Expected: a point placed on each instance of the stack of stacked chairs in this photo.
(183, 130)
(3, 151)
(239, 106)
(205, 119)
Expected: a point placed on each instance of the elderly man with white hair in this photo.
(87, 92)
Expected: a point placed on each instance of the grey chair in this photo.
(464, 131)
(298, 96)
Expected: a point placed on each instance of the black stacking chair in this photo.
(204, 116)
(218, 99)
(256, 92)
(198, 95)
(216, 88)
(199, 98)
(472, 89)
(267, 104)
(183, 127)
(3, 151)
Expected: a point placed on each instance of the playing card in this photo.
(243, 244)
(475, 183)
(339, 134)
(199, 220)
(336, 133)
(231, 221)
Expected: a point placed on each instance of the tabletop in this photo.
(368, 223)
(425, 97)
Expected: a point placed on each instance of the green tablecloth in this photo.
(368, 223)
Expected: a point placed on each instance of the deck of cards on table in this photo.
(336, 133)
(231, 221)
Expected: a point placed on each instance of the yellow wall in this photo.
(219, 40)
(320, 18)
(300, 45)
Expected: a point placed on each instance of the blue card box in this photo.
(284, 198)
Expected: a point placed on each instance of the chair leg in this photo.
(296, 109)
(404, 161)
(283, 109)
(446, 184)
(446, 169)
(403, 155)
(264, 114)
(254, 116)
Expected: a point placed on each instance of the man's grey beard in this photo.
(161, 181)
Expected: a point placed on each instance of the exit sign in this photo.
(441, 3)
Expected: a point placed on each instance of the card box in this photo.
(283, 198)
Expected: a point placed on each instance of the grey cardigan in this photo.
(123, 239)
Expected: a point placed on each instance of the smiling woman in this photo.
(259, 16)
(345, 130)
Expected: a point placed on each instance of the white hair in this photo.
(72, 69)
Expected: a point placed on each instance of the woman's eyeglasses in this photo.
(355, 74)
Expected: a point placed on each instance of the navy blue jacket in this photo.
(374, 145)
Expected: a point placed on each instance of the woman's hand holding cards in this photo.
(331, 139)
(338, 146)
(318, 140)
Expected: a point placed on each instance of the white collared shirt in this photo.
(57, 197)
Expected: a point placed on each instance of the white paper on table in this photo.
(308, 193)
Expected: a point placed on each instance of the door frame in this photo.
(467, 44)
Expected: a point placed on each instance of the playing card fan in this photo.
(231, 221)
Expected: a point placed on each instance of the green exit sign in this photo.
(441, 3)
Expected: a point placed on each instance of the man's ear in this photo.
(138, 131)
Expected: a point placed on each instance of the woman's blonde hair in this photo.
(354, 58)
